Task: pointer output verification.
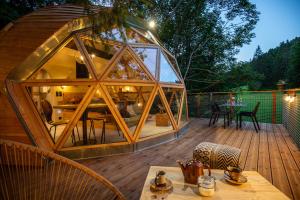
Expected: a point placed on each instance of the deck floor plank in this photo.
(271, 152)
(264, 156)
(279, 175)
(289, 163)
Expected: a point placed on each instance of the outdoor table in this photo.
(257, 187)
(84, 115)
(234, 108)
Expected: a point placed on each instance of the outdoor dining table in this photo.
(84, 116)
(257, 187)
(234, 108)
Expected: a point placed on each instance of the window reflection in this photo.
(130, 101)
(100, 53)
(184, 112)
(158, 120)
(128, 69)
(174, 63)
(174, 96)
(56, 105)
(135, 37)
(167, 74)
(114, 34)
(97, 125)
(67, 63)
(148, 56)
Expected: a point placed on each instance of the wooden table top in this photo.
(257, 187)
(74, 106)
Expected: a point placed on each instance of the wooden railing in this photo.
(270, 110)
(277, 107)
(291, 114)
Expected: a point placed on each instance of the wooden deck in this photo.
(271, 152)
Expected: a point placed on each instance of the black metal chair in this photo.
(216, 112)
(47, 111)
(251, 114)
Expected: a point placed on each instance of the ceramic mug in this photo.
(233, 172)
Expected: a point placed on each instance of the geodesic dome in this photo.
(85, 90)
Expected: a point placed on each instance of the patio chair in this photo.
(216, 112)
(47, 111)
(252, 115)
(28, 172)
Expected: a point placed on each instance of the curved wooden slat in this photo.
(27, 172)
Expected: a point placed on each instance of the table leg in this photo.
(84, 127)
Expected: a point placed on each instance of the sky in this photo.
(279, 21)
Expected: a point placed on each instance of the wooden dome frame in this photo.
(19, 79)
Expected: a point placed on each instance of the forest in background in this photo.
(204, 36)
(265, 70)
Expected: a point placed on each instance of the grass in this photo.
(199, 105)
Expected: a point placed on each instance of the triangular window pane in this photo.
(96, 125)
(67, 63)
(100, 53)
(148, 56)
(128, 69)
(158, 120)
(56, 105)
(184, 112)
(115, 34)
(174, 63)
(167, 73)
(135, 37)
(174, 96)
(130, 101)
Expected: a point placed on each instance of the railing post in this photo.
(274, 107)
(197, 98)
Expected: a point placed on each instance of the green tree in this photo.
(243, 75)
(294, 69)
(258, 53)
(204, 36)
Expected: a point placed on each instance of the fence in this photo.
(270, 110)
(280, 107)
(291, 115)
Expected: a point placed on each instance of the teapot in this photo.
(192, 169)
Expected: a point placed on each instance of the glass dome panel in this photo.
(67, 63)
(97, 124)
(57, 105)
(158, 120)
(127, 68)
(130, 101)
(100, 52)
(174, 97)
(135, 37)
(184, 112)
(167, 73)
(148, 56)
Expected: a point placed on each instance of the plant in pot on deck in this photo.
(162, 118)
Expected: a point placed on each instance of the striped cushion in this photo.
(217, 156)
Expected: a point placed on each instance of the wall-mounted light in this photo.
(93, 55)
(290, 97)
